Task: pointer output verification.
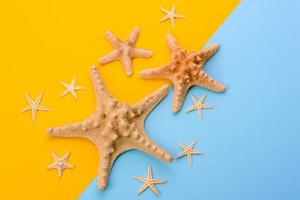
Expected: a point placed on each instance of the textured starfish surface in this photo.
(184, 70)
(71, 88)
(60, 163)
(125, 51)
(170, 14)
(188, 151)
(34, 106)
(198, 104)
(115, 127)
(149, 182)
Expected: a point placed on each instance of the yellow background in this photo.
(44, 42)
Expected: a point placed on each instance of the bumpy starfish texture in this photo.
(188, 151)
(149, 182)
(125, 51)
(115, 127)
(170, 14)
(34, 106)
(198, 104)
(71, 88)
(60, 163)
(185, 70)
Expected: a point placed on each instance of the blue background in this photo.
(251, 140)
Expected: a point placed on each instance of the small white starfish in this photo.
(189, 151)
(71, 88)
(171, 15)
(198, 104)
(60, 163)
(34, 106)
(149, 182)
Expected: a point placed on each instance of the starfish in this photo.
(60, 163)
(34, 106)
(170, 15)
(149, 182)
(188, 151)
(185, 70)
(71, 88)
(115, 127)
(125, 51)
(198, 104)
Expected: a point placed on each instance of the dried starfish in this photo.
(34, 106)
(188, 151)
(71, 88)
(185, 69)
(125, 51)
(170, 14)
(60, 163)
(149, 182)
(115, 127)
(198, 104)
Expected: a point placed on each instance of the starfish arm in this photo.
(159, 72)
(74, 94)
(66, 156)
(38, 100)
(179, 16)
(157, 181)
(26, 108)
(150, 175)
(33, 114)
(172, 19)
(60, 171)
(69, 166)
(208, 52)
(51, 166)
(113, 40)
(172, 44)
(194, 107)
(40, 107)
(194, 100)
(28, 99)
(190, 158)
(65, 93)
(144, 107)
(104, 167)
(209, 83)
(164, 10)
(100, 91)
(192, 145)
(143, 188)
(127, 64)
(164, 18)
(173, 10)
(145, 144)
(140, 178)
(154, 188)
(200, 112)
(181, 154)
(207, 106)
(141, 53)
(133, 37)
(179, 96)
(196, 152)
(112, 56)
(78, 88)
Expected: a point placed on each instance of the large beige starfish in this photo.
(149, 182)
(60, 163)
(185, 69)
(71, 88)
(34, 106)
(198, 104)
(125, 51)
(115, 127)
(188, 151)
(170, 14)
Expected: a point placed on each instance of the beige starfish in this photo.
(185, 69)
(170, 15)
(115, 127)
(198, 104)
(149, 182)
(71, 88)
(60, 163)
(124, 51)
(188, 151)
(34, 106)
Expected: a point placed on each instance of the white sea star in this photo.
(171, 15)
(60, 163)
(188, 151)
(149, 182)
(71, 88)
(198, 104)
(34, 106)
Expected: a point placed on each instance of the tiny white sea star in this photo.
(198, 104)
(34, 106)
(171, 15)
(188, 151)
(60, 163)
(71, 88)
